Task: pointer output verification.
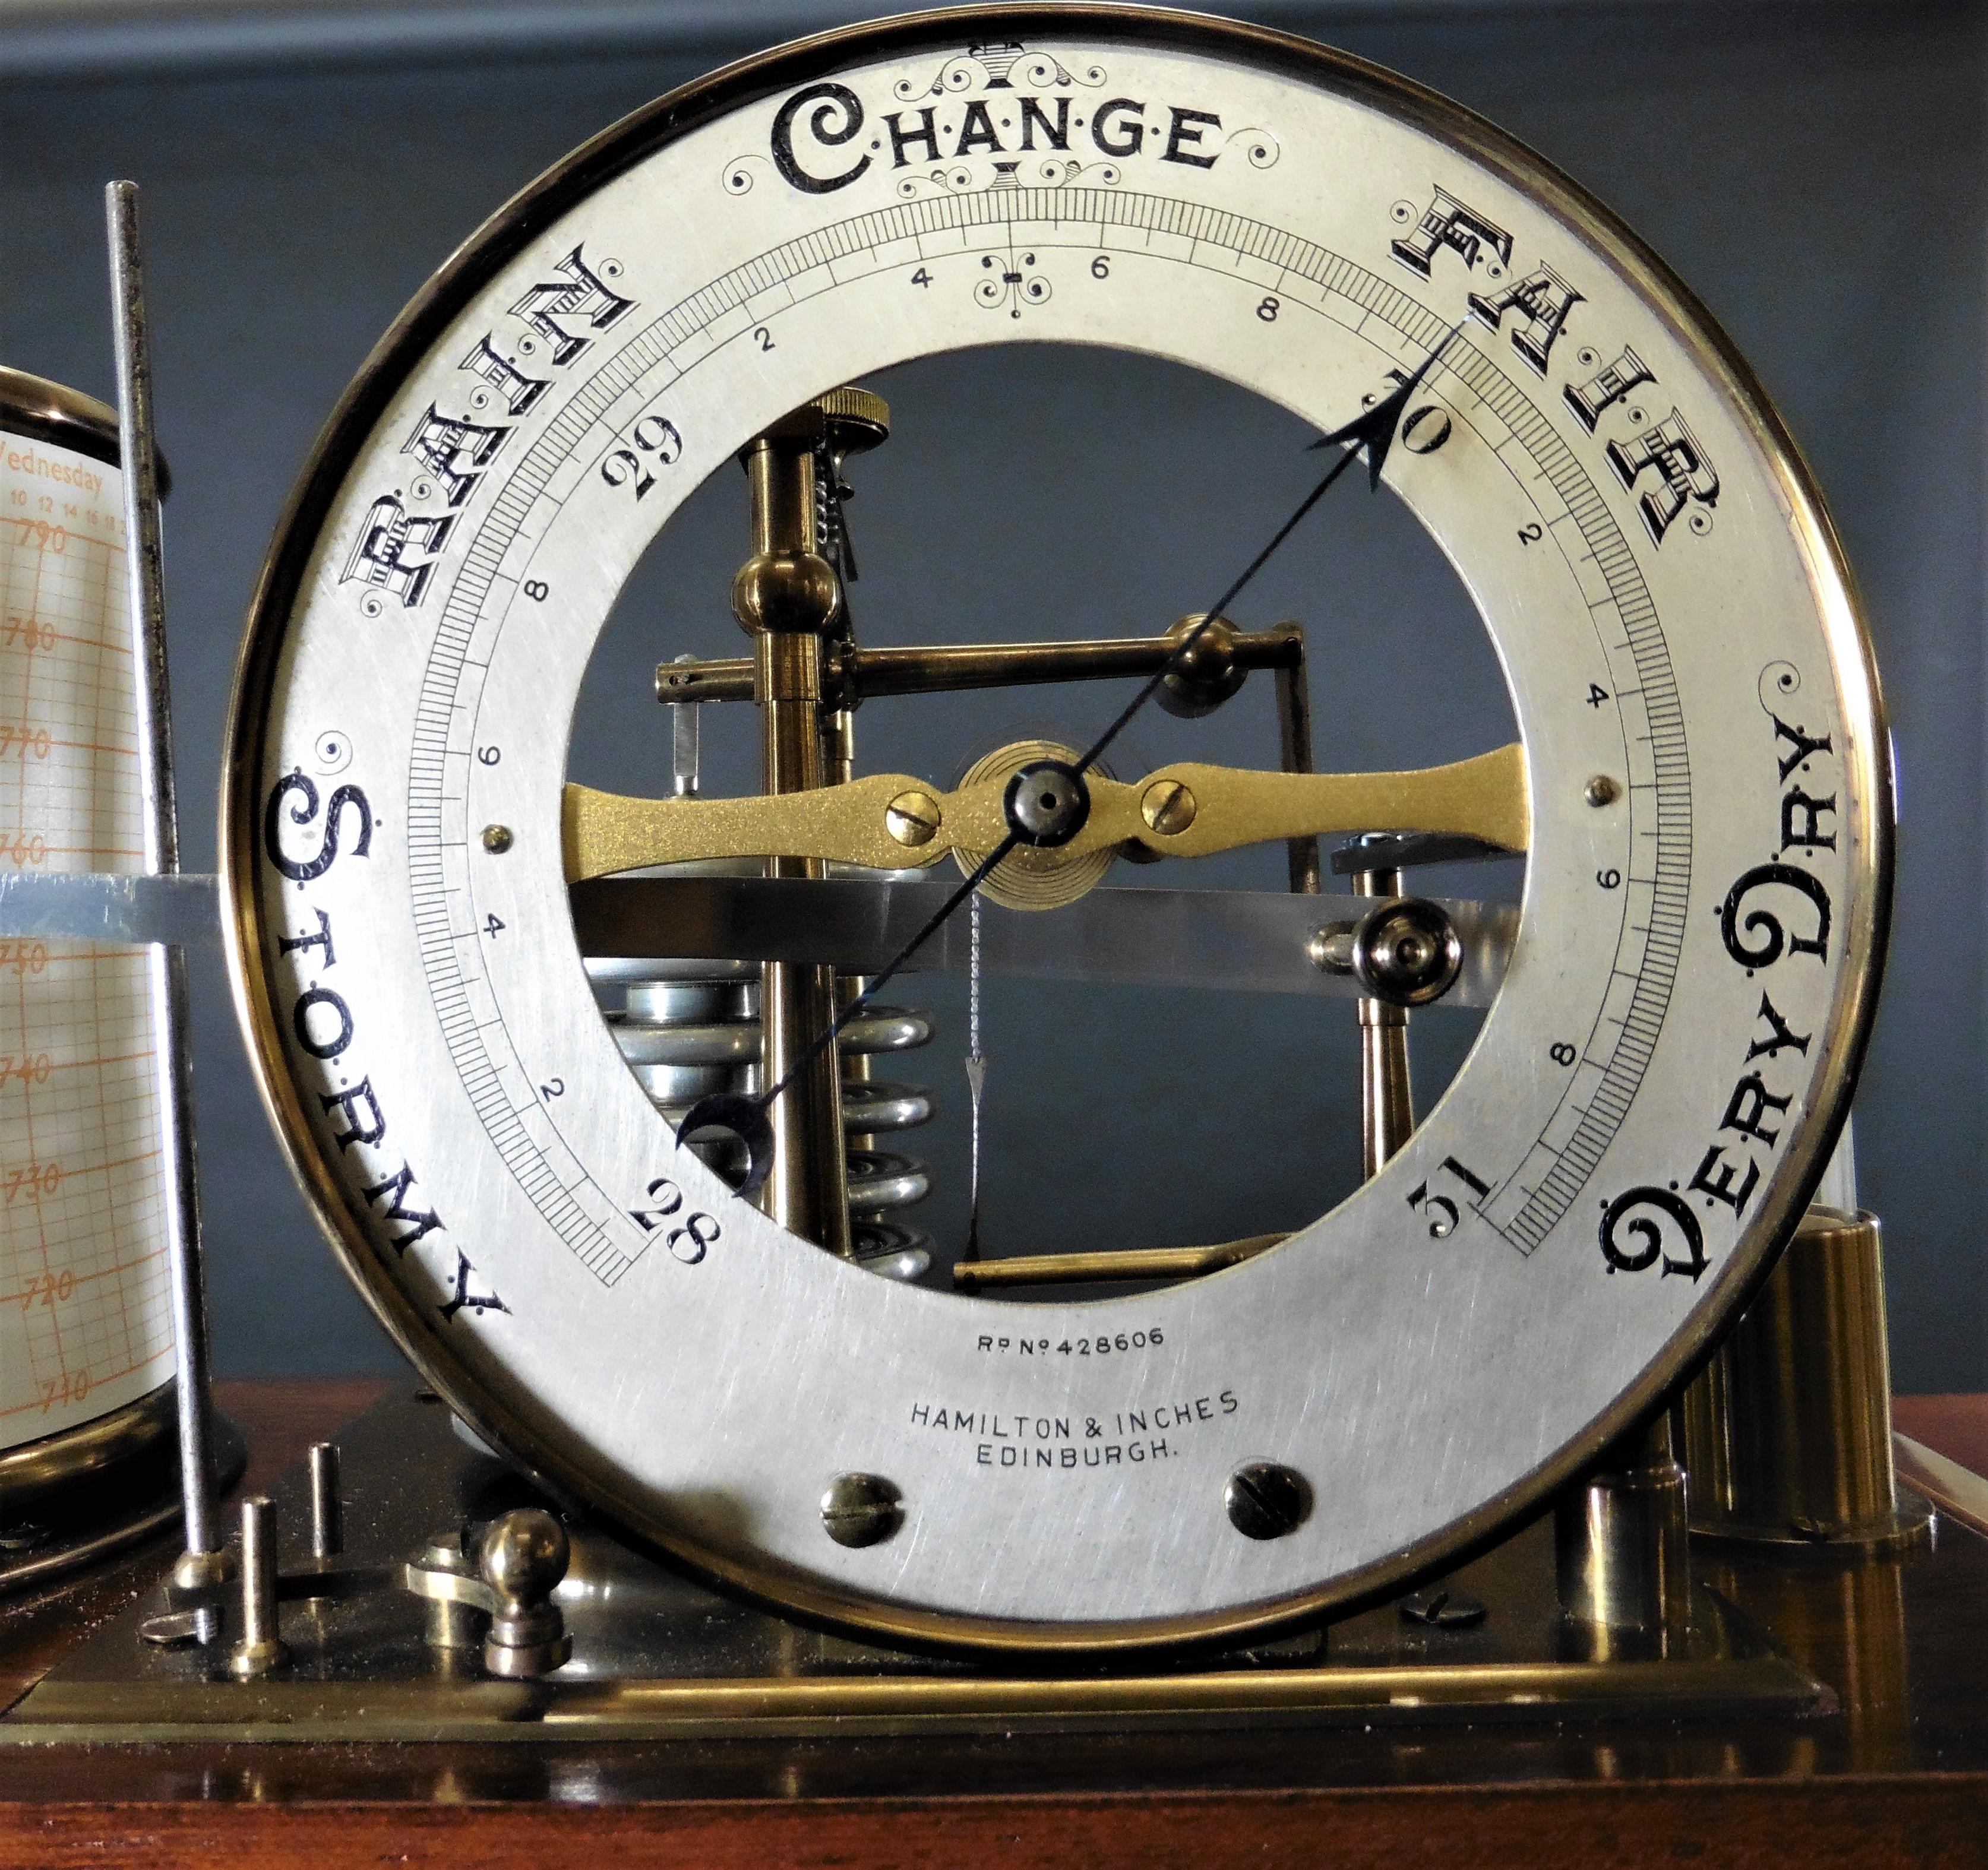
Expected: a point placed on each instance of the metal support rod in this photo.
(144, 567)
(1387, 1097)
(854, 674)
(786, 596)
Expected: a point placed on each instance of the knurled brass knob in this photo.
(846, 421)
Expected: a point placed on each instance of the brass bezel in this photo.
(50, 412)
(1866, 922)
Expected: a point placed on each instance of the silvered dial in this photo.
(1700, 792)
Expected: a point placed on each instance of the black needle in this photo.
(744, 1117)
(1373, 430)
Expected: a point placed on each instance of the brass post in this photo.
(1622, 1550)
(787, 596)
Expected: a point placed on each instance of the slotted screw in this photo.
(1168, 807)
(1442, 1609)
(861, 1509)
(912, 818)
(1266, 1500)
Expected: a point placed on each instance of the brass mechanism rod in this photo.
(860, 674)
(807, 1191)
(1097, 1268)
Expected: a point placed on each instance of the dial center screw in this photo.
(1047, 804)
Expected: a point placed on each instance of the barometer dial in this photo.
(1698, 786)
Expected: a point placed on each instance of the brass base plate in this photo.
(1909, 1529)
(657, 1656)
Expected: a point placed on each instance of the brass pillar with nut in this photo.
(787, 597)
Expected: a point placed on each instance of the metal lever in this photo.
(893, 822)
(504, 1590)
(1224, 656)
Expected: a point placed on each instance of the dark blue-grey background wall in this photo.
(1815, 171)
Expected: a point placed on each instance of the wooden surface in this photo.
(1899, 1777)
(1584, 1828)
(1955, 1426)
(283, 1419)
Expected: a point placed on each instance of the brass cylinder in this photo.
(1622, 1551)
(1787, 1431)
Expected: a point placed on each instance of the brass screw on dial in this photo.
(913, 818)
(497, 839)
(1266, 1500)
(861, 1510)
(1168, 807)
(1601, 791)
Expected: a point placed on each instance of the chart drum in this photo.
(87, 1346)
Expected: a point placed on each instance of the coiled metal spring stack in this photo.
(690, 1029)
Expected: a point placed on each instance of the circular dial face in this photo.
(1702, 795)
